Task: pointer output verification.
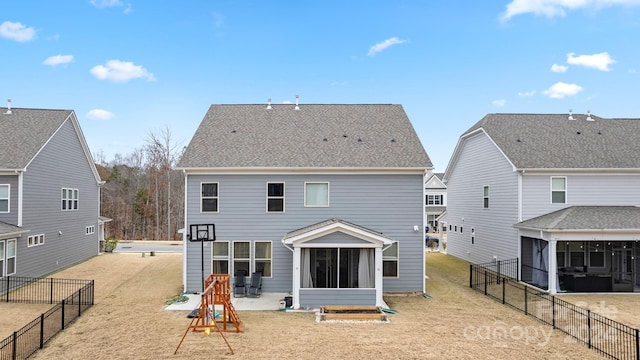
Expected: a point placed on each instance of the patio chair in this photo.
(239, 284)
(255, 286)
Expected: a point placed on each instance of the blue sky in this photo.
(128, 68)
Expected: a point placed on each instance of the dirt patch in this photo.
(129, 321)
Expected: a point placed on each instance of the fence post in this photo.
(553, 312)
(8, 287)
(498, 271)
(62, 326)
(79, 302)
(637, 344)
(517, 269)
(93, 291)
(471, 276)
(41, 331)
(14, 354)
(51, 291)
(526, 305)
(485, 282)
(589, 328)
(503, 292)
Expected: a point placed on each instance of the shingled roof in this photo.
(552, 141)
(24, 132)
(315, 136)
(586, 218)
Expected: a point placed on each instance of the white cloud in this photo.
(552, 8)
(499, 102)
(527, 93)
(385, 44)
(16, 31)
(121, 71)
(106, 3)
(561, 90)
(559, 68)
(99, 114)
(599, 61)
(58, 59)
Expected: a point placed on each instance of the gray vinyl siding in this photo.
(480, 164)
(391, 204)
(12, 216)
(582, 189)
(316, 298)
(61, 164)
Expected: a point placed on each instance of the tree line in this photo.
(143, 193)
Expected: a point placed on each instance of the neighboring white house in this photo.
(560, 192)
(435, 199)
(323, 200)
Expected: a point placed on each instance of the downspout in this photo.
(184, 236)
(20, 185)
(519, 241)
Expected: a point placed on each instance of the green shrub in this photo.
(110, 244)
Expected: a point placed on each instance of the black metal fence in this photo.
(71, 299)
(609, 337)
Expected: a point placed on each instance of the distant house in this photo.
(435, 199)
(323, 200)
(49, 193)
(559, 192)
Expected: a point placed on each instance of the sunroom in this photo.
(339, 263)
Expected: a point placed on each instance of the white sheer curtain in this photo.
(305, 267)
(366, 265)
(317, 194)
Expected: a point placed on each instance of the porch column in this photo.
(378, 275)
(553, 267)
(296, 277)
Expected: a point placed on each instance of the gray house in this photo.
(559, 192)
(323, 200)
(49, 193)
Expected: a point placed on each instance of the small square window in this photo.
(316, 194)
(275, 197)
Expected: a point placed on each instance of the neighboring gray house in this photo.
(49, 193)
(559, 192)
(435, 199)
(323, 200)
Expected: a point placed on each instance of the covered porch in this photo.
(582, 249)
(337, 263)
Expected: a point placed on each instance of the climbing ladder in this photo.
(217, 292)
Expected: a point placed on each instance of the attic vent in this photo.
(571, 115)
(359, 140)
(8, 112)
(393, 140)
(589, 118)
(324, 139)
(297, 107)
(233, 131)
(268, 103)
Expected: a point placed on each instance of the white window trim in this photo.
(226, 258)
(232, 265)
(438, 197)
(284, 194)
(70, 200)
(91, 229)
(212, 197)
(396, 259)
(328, 194)
(35, 240)
(254, 258)
(488, 196)
(8, 199)
(566, 193)
(6, 257)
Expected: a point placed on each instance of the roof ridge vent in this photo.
(571, 115)
(8, 112)
(297, 107)
(589, 118)
(269, 104)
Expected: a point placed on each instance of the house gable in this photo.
(318, 235)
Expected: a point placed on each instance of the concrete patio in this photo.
(266, 301)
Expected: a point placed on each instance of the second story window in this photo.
(209, 197)
(485, 199)
(316, 194)
(558, 190)
(4, 198)
(275, 197)
(69, 199)
(434, 200)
